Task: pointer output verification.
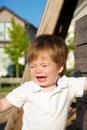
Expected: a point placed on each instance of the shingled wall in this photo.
(81, 65)
(81, 45)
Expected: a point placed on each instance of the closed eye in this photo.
(45, 65)
(32, 66)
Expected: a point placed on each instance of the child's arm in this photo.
(4, 105)
(86, 84)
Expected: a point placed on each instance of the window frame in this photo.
(4, 30)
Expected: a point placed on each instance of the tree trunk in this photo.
(17, 70)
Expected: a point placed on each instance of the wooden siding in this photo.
(81, 45)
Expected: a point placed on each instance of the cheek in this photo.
(32, 76)
(53, 72)
(31, 72)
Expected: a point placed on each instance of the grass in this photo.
(6, 89)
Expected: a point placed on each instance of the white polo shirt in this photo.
(45, 110)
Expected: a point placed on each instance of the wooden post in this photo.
(50, 16)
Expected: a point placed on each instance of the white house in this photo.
(5, 21)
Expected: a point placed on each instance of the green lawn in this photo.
(6, 89)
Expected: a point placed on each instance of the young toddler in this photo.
(46, 98)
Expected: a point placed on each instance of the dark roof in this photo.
(26, 23)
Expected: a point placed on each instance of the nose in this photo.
(38, 69)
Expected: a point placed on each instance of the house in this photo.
(80, 11)
(5, 21)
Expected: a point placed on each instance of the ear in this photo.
(60, 69)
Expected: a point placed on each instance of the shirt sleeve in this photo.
(17, 96)
(76, 86)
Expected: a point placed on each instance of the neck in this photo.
(49, 89)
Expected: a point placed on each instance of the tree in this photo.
(19, 42)
(70, 40)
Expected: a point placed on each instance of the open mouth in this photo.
(41, 78)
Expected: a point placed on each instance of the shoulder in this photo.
(30, 86)
(71, 80)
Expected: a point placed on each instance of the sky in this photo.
(29, 10)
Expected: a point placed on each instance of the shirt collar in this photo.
(61, 84)
(34, 86)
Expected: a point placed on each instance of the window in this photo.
(7, 25)
(1, 31)
(4, 35)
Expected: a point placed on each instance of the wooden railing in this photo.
(9, 80)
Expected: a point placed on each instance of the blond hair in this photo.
(55, 47)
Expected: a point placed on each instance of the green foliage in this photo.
(71, 42)
(70, 72)
(19, 42)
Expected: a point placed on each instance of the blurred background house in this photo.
(6, 16)
(80, 11)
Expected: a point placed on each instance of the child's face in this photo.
(44, 71)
